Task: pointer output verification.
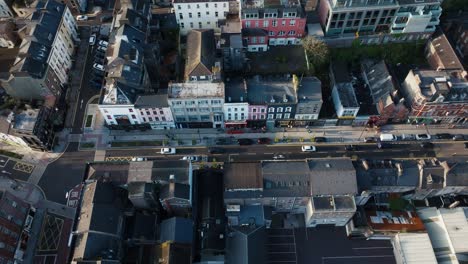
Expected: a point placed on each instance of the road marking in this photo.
(3, 161)
(24, 167)
(118, 158)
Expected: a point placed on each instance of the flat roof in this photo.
(242, 176)
(332, 176)
(347, 95)
(196, 90)
(415, 248)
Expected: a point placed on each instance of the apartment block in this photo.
(235, 104)
(203, 14)
(436, 96)
(393, 20)
(45, 54)
(264, 23)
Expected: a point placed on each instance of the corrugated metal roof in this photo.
(415, 248)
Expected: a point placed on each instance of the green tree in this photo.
(317, 51)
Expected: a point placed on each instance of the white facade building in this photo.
(154, 110)
(5, 10)
(345, 101)
(119, 114)
(235, 111)
(200, 15)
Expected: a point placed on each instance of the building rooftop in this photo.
(340, 72)
(200, 58)
(332, 176)
(378, 79)
(309, 90)
(242, 176)
(249, 4)
(159, 171)
(26, 120)
(235, 90)
(177, 229)
(347, 95)
(271, 90)
(415, 248)
(444, 52)
(335, 203)
(151, 101)
(285, 179)
(176, 190)
(113, 172)
(193, 90)
(336, 4)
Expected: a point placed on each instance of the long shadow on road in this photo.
(64, 173)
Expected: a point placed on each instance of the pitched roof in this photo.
(200, 52)
(177, 229)
(243, 176)
(378, 79)
(332, 176)
(177, 190)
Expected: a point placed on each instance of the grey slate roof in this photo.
(347, 95)
(160, 170)
(262, 90)
(332, 176)
(247, 245)
(285, 179)
(177, 229)
(235, 90)
(151, 101)
(378, 79)
(200, 52)
(309, 90)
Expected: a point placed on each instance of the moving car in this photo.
(308, 148)
(92, 39)
(216, 150)
(221, 141)
(168, 151)
(245, 141)
(408, 137)
(423, 136)
(278, 156)
(81, 18)
(263, 141)
(191, 158)
(320, 139)
(98, 67)
(427, 145)
(351, 147)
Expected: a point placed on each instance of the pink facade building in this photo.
(272, 22)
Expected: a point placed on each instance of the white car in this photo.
(103, 43)
(308, 148)
(191, 158)
(92, 40)
(102, 49)
(167, 151)
(423, 136)
(98, 67)
(138, 159)
(82, 18)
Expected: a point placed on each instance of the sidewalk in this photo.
(23, 190)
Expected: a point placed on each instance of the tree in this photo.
(316, 50)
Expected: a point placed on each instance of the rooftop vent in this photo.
(272, 100)
(285, 98)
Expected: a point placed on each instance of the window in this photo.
(292, 33)
(188, 6)
(266, 23)
(144, 119)
(200, 24)
(274, 23)
(256, 24)
(198, 6)
(281, 33)
(199, 14)
(156, 119)
(224, 4)
(150, 119)
(283, 22)
(271, 33)
(292, 22)
(190, 15)
(163, 118)
(181, 16)
(206, 5)
(155, 113)
(216, 13)
(182, 25)
(262, 110)
(261, 40)
(271, 110)
(288, 109)
(130, 110)
(109, 117)
(178, 7)
(247, 24)
(207, 13)
(254, 117)
(216, 5)
(287, 115)
(161, 112)
(254, 40)
(279, 109)
(279, 116)
(262, 116)
(133, 117)
(270, 116)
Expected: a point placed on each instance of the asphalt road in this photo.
(64, 173)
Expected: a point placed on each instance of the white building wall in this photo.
(190, 15)
(236, 111)
(158, 118)
(254, 48)
(111, 112)
(5, 11)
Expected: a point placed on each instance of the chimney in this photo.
(365, 164)
(172, 178)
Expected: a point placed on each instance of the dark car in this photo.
(320, 139)
(466, 145)
(370, 140)
(443, 136)
(221, 141)
(458, 137)
(351, 147)
(263, 141)
(427, 145)
(245, 141)
(382, 145)
(216, 150)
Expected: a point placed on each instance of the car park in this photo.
(245, 141)
(351, 147)
(458, 137)
(423, 137)
(308, 148)
(320, 139)
(81, 18)
(92, 39)
(216, 150)
(443, 136)
(427, 145)
(98, 67)
(263, 141)
(168, 151)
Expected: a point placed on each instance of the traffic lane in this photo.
(65, 173)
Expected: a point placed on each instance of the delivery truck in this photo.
(387, 137)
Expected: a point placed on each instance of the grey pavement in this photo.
(23, 190)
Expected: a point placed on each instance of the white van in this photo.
(387, 137)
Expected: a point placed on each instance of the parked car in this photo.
(98, 67)
(191, 158)
(216, 150)
(168, 151)
(221, 141)
(443, 136)
(103, 43)
(351, 147)
(320, 139)
(139, 159)
(370, 140)
(278, 156)
(423, 137)
(263, 141)
(466, 145)
(387, 137)
(382, 145)
(308, 148)
(458, 137)
(245, 141)
(408, 137)
(102, 49)
(92, 39)
(427, 145)
(81, 18)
